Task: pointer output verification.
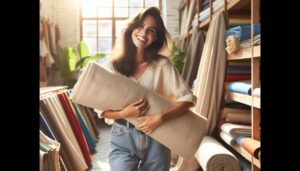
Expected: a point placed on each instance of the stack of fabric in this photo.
(72, 126)
(240, 37)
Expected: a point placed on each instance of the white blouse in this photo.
(163, 78)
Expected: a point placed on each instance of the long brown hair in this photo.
(124, 51)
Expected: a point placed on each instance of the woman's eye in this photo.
(152, 31)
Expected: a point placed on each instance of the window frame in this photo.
(113, 20)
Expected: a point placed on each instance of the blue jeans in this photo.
(133, 150)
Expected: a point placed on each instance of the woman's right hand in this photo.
(135, 109)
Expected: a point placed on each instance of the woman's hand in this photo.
(150, 123)
(135, 109)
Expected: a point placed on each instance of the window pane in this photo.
(92, 44)
(136, 3)
(121, 3)
(121, 12)
(105, 45)
(104, 3)
(90, 2)
(89, 11)
(105, 28)
(119, 26)
(150, 3)
(104, 12)
(89, 28)
(134, 11)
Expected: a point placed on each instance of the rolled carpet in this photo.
(213, 156)
(102, 89)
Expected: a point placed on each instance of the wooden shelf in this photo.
(234, 6)
(241, 98)
(245, 99)
(44, 90)
(246, 155)
(245, 53)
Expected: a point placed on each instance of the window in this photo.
(102, 21)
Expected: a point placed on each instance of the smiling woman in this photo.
(136, 56)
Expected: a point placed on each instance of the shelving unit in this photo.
(250, 9)
(234, 7)
(44, 90)
(253, 54)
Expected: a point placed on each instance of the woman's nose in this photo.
(143, 32)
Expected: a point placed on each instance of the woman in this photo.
(131, 148)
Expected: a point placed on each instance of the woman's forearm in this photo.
(112, 114)
(179, 109)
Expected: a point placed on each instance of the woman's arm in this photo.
(151, 122)
(135, 109)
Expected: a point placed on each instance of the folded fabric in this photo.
(237, 77)
(102, 89)
(240, 87)
(227, 138)
(243, 32)
(213, 156)
(236, 129)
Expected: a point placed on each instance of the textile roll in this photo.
(102, 89)
(212, 156)
(252, 146)
(238, 118)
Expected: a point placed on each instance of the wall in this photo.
(66, 13)
(46, 9)
(171, 16)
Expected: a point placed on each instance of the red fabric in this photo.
(236, 77)
(76, 128)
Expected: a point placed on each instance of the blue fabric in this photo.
(133, 150)
(84, 127)
(242, 32)
(45, 127)
(239, 139)
(240, 87)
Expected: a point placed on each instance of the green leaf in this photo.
(91, 58)
(83, 49)
(71, 54)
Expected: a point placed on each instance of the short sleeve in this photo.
(175, 86)
(99, 113)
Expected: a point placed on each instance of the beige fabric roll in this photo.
(211, 73)
(227, 110)
(238, 118)
(102, 89)
(233, 44)
(212, 156)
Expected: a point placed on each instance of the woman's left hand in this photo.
(150, 123)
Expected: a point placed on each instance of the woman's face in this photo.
(145, 34)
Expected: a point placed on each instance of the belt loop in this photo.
(127, 124)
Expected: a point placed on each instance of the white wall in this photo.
(66, 13)
(171, 16)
